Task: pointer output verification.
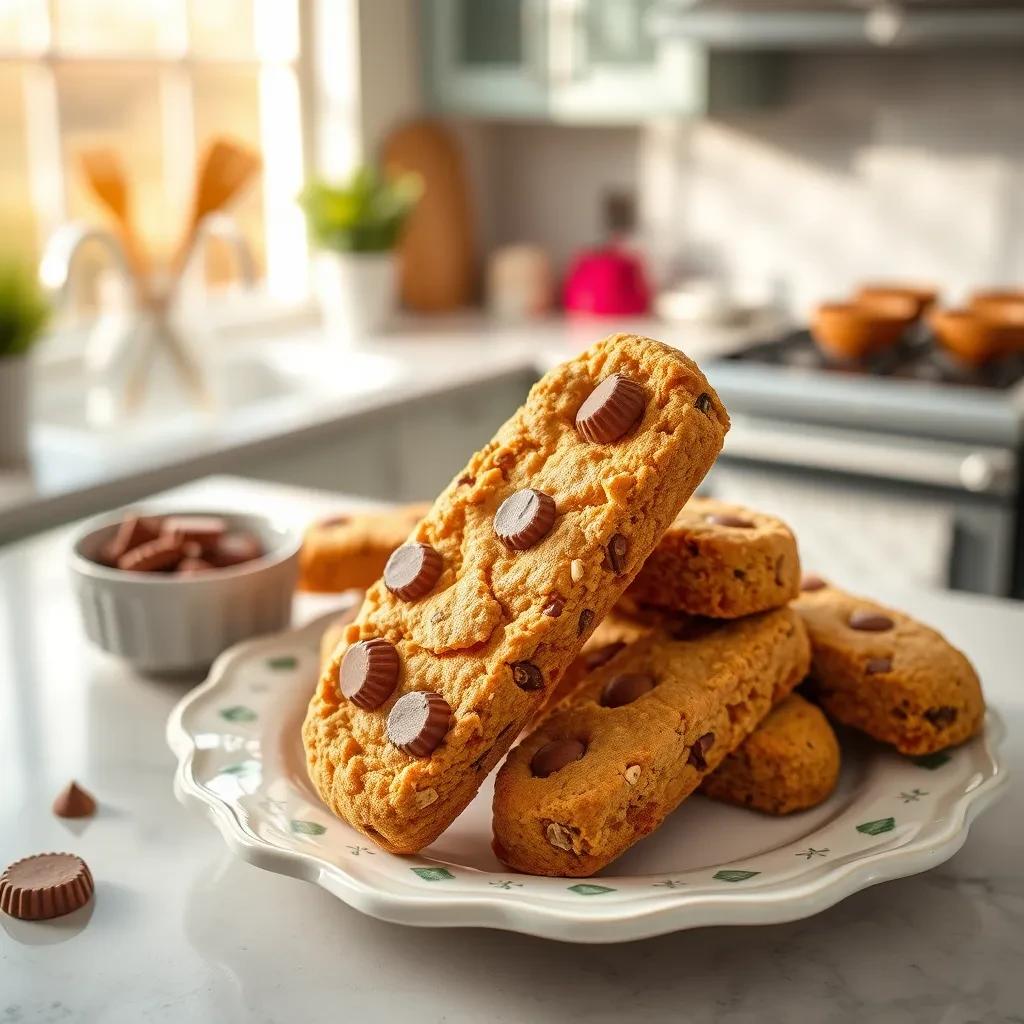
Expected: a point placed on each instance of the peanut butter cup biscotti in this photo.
(887, 674)
(606, 768)
(489, 601)
(720, 560)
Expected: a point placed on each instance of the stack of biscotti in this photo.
(491, 597)
(687, 684)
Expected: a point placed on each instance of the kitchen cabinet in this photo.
(578, 61)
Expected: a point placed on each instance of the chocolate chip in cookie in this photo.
(736, 522)
(611, 409)
(419, 722)
(811, 582)
(698, 751)
(625, 689)
(527, 676)
(369, 673)
(412, 570)
(554, 756)
(618, 549)
(524, 519)
(870, 622)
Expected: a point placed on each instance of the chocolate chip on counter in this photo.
(876, 666)
(699, 750)
(601, 656)
(527, 676)
(625, 689)
(45, 885)
(586, 621)
(618, 548)
(554, 607)
(554, 756)
(162, 553)
(941, 717)
(369, 672)
(74, 802)
(812, 582)
(727, 519)
(524, 519)
(870, 622)
(412, 570)
(418, 722)
(703, 402)
(611, 409)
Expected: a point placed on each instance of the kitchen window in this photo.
(153, 79)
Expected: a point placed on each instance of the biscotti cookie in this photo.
(886, 674)
(790, 762)
(720, 560)
(604, 769)
(350, 551)
(479, 615)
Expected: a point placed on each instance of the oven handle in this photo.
(979, 470)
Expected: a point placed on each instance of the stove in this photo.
(909, 429)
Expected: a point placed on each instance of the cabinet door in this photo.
(487, 57)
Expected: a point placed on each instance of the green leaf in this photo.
(586, 889)
(876, 828)
(239, 713)
(282, 663)
(433, 874)
(932, 761)
(23, 309)
(307, 828)
(731, 875)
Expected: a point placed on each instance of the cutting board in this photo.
(436, 254)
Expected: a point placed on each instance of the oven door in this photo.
(863, 504)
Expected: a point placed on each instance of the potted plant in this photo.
(356, 225)
(23, 312)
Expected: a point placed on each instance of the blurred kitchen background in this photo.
(333, 242)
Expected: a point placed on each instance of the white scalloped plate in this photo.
(240, 758)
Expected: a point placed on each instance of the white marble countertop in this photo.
(180, 930)
(75, 471)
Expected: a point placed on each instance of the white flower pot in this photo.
(14, 407)
(356, 292)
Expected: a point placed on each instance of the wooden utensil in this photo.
(436, 253)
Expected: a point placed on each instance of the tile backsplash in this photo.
(907, 165)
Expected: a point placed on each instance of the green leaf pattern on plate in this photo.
(282, 663)
(932, 761)
(242, 768)
(733, 875)
(238, 713)
(307, 828)
(587, 889)
(876, 828)
(433, 874)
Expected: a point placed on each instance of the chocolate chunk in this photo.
(876, 666)
(586, 621)
(74, 802)
(369, 672)
(726, 519)
(699, 749)
(154, 555)
(524, 519)
(418, 722)
(554, 607)
(527, 676)
(618, 548)
(412, 570)
(812, 582)
(466, 480)
(625, 689)
(870, 622)
(327, 524)
(235, 548)
(739, 574)
(602, 655)
(611, 409)
(202, 529)
(703, 402)
(554, 756)
(44, 886)
(941, 717)
(130, 534)
(193, 566)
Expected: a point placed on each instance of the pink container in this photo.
(607, 282)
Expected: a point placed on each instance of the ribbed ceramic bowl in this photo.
(168, 623)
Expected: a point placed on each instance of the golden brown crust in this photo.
(350, 551)
(487, 611)
(640, 762)
(705, 566)
(906, 685)
(790, 762)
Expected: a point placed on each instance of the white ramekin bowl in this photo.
(167, 623)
